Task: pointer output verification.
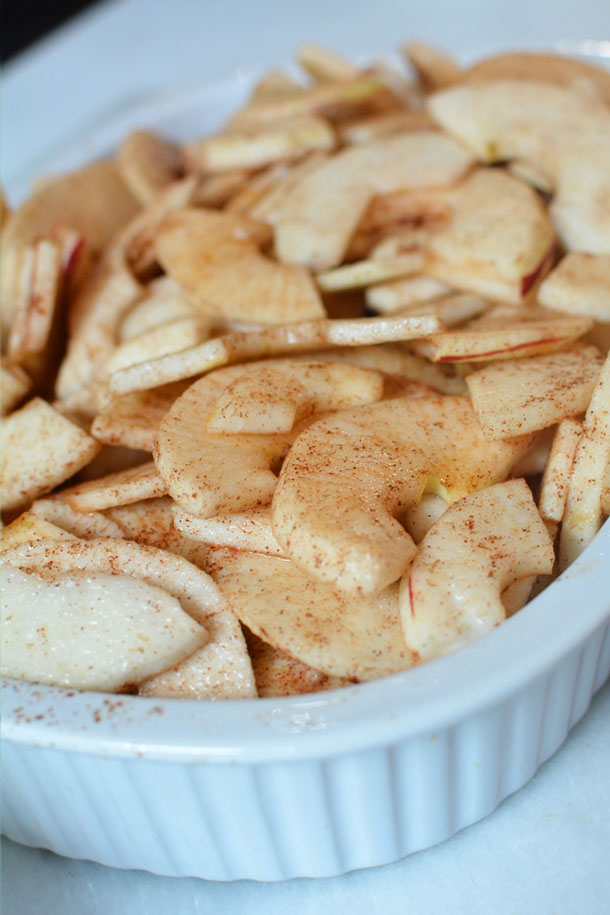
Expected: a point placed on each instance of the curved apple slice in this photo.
(497, 241)
(215, 257)
(476, 549)
(323, 207)
(272, 399)
(132, 420)
(221, 668)
(277, 674)
(339, 634)
(347, 477)
(147, 164)
(563, 133)
(249, 530)
(579, 284)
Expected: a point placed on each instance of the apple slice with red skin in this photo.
(478, 547)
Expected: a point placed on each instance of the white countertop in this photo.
(546, 850)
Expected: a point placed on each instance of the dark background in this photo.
(24, 21)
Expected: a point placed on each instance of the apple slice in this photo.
(434, 68)
(563, 133)
(147, 164)
(172, 337)
(323, 208)
(580, 284)
(29, 527)
(275, 84)
(325, 66)
(375, 126)
(85, 525)
(390, 297)
(209, 255)
(273, 399)
(40, 448)
(556, 477)
(300, 337)
(277, 674)
(583, 512)
(477, 548)
(94, 201)
(261, 145)
(121, 488)
(418, 519)
(246, 531)
(163, 302)
(340, 635)
(367, 272)
(495, 337)
(498, 240)
(339, 523)
(525, 395)
(33, 315)
(14, 385)
(132, 420)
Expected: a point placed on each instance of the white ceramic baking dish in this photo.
(315, 785)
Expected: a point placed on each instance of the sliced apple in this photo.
(94, 201)
(375, 126)
(495, 336)
(583, 512)
(27, 528)
(435, 69)
(300, 337)
(40, 448)
(132, 420)
(273, 399)
(556, 477)
(325, 66)
(478, 547)
(580, 284)
(392, 296)
(275, 84)
(246, 531)
(57, 511)
(172, 337)
(347, 477)
(563, 133)
(147, 164)
(215, 257)
(277, 674)
(497, 241)
(14, 385)
(367, 272)
(323, 208)
(525, 395)
(338, 634)
(33, 316)
(261, 145)
(121, 488)
(163, 302)
(418, 519)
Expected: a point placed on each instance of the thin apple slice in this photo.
(85, 525)
(547, 68)
(33, 317)
(373, 127)
(163, 301)
(172, 337)
(147, 164)
(367, 272)
(556, 477)
(563, 133)
(300, 337)
(396, 360)
(338, 634)
(435, 69)
(325, 66)
(132, 420)
(94, 201)
(390, 297)
(493, 338)
(277, 674)
(40, 448)
(29, 527)
(583, 513)
(323, 208)
(580, 284)
(14, 385)
(262, 145)
(246, 531)
(273, 399)
(497, 241)
(338, 522)
(418, 519)
(478, 547)
(524, 395)
(121, 488)
(275, 84)
(215, 257)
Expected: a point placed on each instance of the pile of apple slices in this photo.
(313, 400)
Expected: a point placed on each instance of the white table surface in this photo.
(546, 850)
